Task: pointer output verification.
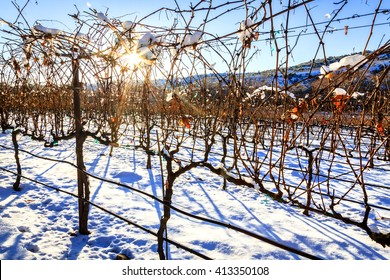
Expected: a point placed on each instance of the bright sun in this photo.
(131, 60)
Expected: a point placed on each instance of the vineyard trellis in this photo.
(111, 80)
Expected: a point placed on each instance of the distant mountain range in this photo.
(308, 71)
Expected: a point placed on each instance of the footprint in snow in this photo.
(33, 248)
(23, 229)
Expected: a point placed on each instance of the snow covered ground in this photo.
(41, 223)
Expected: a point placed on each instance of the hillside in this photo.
(307, 72)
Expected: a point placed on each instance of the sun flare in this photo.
(131, 60)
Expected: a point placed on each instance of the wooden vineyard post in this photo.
(308, 187)
(16, 185)
(82, 178)
(167, 209)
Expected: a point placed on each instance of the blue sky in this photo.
(336, 43)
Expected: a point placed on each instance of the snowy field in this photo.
(41, 223)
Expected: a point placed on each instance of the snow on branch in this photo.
(355, 61)
(192, 39)
(46, 30)
(103, 18)
(247, 33)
